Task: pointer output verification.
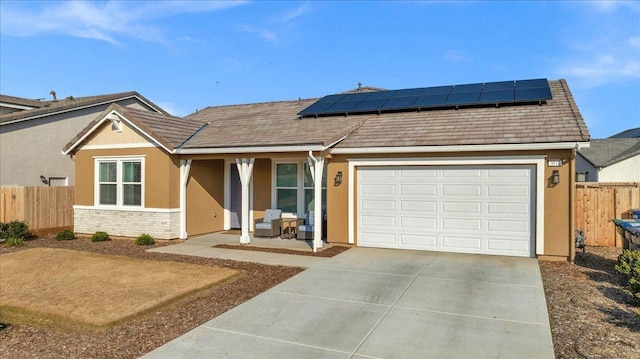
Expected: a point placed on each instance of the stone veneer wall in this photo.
(160, 224)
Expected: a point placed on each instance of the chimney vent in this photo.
(53, 93)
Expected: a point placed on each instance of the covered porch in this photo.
(227, 193)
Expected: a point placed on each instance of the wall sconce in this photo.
(338, 179)
(44, 179)
(555, 177)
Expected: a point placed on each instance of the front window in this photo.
(119, 182)
(294, 188)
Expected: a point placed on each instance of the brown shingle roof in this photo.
(556, 121)
(22, 101)
(71, 103)
(267, 124)
(169, 131)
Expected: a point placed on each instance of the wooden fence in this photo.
(41, 207)
(596, 204)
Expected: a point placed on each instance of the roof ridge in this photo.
(253, 103)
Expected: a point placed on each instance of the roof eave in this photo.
(462, 148)
(252, 149)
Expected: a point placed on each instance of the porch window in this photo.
(119, 182)
(294, 188)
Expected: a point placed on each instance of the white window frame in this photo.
(300, 188)
(119, 184)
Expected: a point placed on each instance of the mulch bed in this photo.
(139, 336)
(327, 252)
(590, 313)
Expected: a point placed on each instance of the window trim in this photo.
(119, 183)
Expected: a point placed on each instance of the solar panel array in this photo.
(489, 93)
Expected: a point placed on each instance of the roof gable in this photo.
(608, 151)
(168, 132)
(70, 103)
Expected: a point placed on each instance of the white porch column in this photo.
(316, 165)
(185, 167)
(245, 170)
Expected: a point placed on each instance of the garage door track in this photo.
(380, 303)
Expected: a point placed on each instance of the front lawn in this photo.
(95, 289)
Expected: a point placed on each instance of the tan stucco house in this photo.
(32, 132)
(480, 168)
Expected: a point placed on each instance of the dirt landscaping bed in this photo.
(589, 311)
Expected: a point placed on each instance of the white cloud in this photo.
(275, 28)
(610, 6)
(602, 69)
(264, 34)
(106, 21)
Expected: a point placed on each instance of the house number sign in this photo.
(554, 163)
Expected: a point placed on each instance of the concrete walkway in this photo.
(377, 303)
(202, 246)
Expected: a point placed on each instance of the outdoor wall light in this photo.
(555, 177)
(338, 179)
(44, 179)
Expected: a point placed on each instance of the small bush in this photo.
(65, 235)
(629, 265)
(144, 240)
(14, 229)
(100, 237)
(13, 241)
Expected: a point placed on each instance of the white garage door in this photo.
(470, 209)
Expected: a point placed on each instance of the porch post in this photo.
(185, 167)
(245, 170)
(317, 167)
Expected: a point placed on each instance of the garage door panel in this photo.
(508, 191)
(418, 223)
(417, 189)
(423, 241)
(378, 205)
(472, 209)
(418, 206)
(457, 224)
(462, 208)
(506, 208)
(508, 226)
(461, 190)
(378, 220)
(469, 244)
(379, 189)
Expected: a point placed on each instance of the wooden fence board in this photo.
(596, 204)
(41, 207)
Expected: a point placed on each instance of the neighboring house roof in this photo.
(630, 133)
(276, 126)
(20, 101)
(609, 151)
(168, 131)
(73, 103)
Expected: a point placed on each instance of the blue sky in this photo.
(188, 55)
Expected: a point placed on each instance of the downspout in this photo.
(185, 168)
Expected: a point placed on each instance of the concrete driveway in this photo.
(378, 303)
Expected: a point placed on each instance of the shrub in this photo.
(65, 235)
(14, 229)
(629, 265)
(100, 237)
(13, 241)
(144, 240)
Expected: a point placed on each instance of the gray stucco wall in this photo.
(33, 148)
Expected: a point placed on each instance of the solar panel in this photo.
(464, 98)
(409, 92)
(533, 94)
(502, 92)
(504, 96)
(397, 103)
(431, 101)
(498, 86)
(467, 88)
(381, 95)
(370, 105)
(536, 83)
(440, 90)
